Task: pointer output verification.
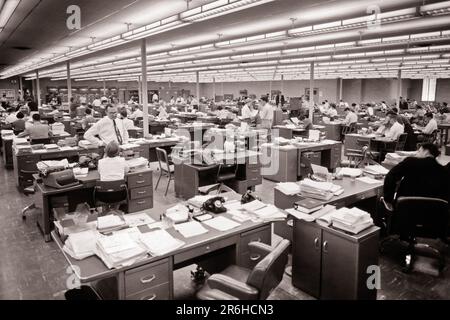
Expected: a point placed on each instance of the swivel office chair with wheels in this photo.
(225, 172)
(166, 167)
(418, 217)
(239, 283)
(111, 194)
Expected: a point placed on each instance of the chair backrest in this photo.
(267, 274)
(118, 188)
(163, 160)
(421, 217)
(401, 142)
(227, 169)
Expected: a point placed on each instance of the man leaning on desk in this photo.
(108, 129)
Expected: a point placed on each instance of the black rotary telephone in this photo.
(214, 205)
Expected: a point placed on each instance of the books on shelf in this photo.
(308, 205)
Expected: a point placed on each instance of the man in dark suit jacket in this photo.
(420, 176)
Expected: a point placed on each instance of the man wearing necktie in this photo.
(107, 129)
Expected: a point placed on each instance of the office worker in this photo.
(19, 124)
(266, 113)
(123, 117)
(247, 111)
(112, 167)
(431, 124)
(420, 176)
(137, 113)
(332, 112)
(162, 113)
(108, 129)
(36, 130)
(88, 119)
(396, 127)
(350, 117)
(11, 117)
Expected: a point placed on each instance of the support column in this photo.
(38, 89)
(282, 83)
(197, 85)
(140, 89)
(69, 83)
(21, 88)
(399, 88)
(311, 92)
(222, 89)
(214, 89)
(340, 83)
(104, 88)
(270, 89)
(144, 85)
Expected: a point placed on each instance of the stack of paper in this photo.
(160, 242)
(128, 146)
(178, 213)
(394, 158)
(119, 250)
(253, 205)
(137, 219)
(198, 201)
(376, 170)
(350, 172)
(81, 245)
(288, 188)
(80, 172)
(313, 216)
(51, 146)
(137, 163)
(351, 220)
(319, 190)
(270, 213)
(221, 223)
(6, 133)
(110, 223)
(190, 229)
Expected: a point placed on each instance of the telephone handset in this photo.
(214, 205)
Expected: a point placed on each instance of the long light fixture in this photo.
(7, 8)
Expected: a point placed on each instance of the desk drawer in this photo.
(146, 277)
(140, 204)
(262, 234)
(142, 192)
(58, 155)
(161, 292)
(252, 173)
(140, 180)
(254, 181)
(27, 163)
(204, 249)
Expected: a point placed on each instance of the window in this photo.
(429, 89)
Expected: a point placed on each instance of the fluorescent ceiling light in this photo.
(7, 8)
(219, 8)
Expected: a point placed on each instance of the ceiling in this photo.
(270, 40)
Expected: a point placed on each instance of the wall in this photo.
(443, 90)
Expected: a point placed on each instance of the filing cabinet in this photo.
(263, 235)
(330, 264)
(140, 189)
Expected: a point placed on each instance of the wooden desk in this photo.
(289, 133)
(290, 159)
(214, 251)
(7, 152)
(189, 177)
(140, 189)
(333, 131)
(356, 141)
(354, 192)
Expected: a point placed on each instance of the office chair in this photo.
(239, 283)
(225, 172)
(110, 193)
(414, 217)
(27, 181)
(166, 168)
(428, 138)
(352, 128)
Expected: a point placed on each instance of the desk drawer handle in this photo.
(255, 257)
(325, 246)
(140, 181)
(152, 297)
(142, 192)
(141, 202)
(316, 243)
(145, 280)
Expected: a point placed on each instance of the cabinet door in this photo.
(306, 256)
(339, 267)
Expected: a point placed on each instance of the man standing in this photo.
(266, 113)
(107, 129)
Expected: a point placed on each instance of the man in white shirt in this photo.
(396, 128)
(137, 113)
(155, 97)
(11, 117)
(108, 129)
(162, 113)
(97, 102)
(180, 100)
(332, 112)
(247, 110)
(127, 123)
(431, 124)
(350, 117)
(266, 113)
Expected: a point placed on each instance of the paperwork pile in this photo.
(264, 211)
(319, 190)
(288, 188)
(137, 163)
(375, 171)
(81, 245)
(190, 229)
(110, 223)
(119, 250)
(351, 220)
(393, 159)
(159, 242)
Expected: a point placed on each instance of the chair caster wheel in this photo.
(199, 275)
(24, 217)
(408, 264)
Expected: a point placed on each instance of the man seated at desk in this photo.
(420, 176)
(350, 117)
(112, 167)
(108, 129)
(248, 111)
(11, 117)
(36, 130)
(128, 124)
(89, 118)
(332, 112)
(393, 127)
(19, 125)
(162, 113)
(137, 113)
